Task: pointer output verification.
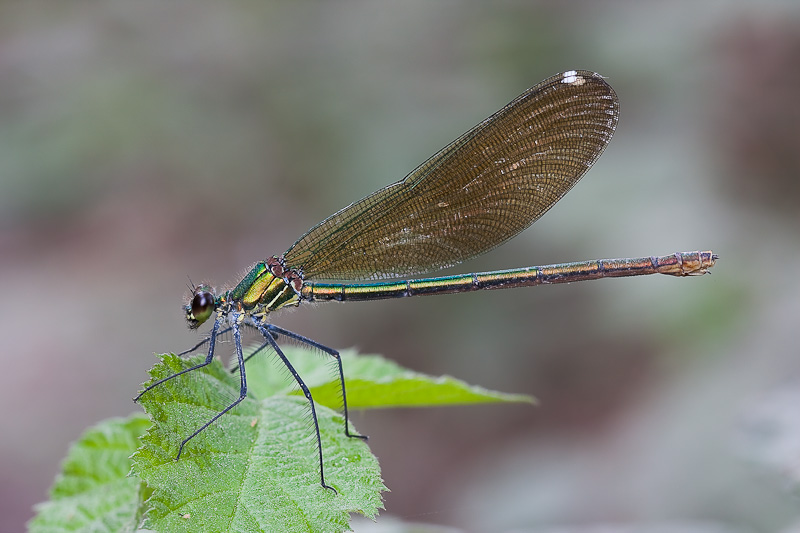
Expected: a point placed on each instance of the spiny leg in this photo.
(246, 359)
(211, 340)
(237, 339)
(335, 355)
(202, 342)
(306, 392)
(257, 350)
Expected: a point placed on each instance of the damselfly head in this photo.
(203, 302)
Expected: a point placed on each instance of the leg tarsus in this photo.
(356, 435)
(237, 337)
(211, 340)
(267, 334)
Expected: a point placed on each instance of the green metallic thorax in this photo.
(261, 288)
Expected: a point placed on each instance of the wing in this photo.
(476, 193)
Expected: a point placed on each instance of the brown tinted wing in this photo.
(476, 193)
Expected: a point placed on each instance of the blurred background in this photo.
(144, 142)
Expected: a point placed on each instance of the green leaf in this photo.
(372, 382)
(93, 492)
(254, 469)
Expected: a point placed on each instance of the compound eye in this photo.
(202, 306)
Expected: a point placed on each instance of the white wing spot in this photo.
(571, 77)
